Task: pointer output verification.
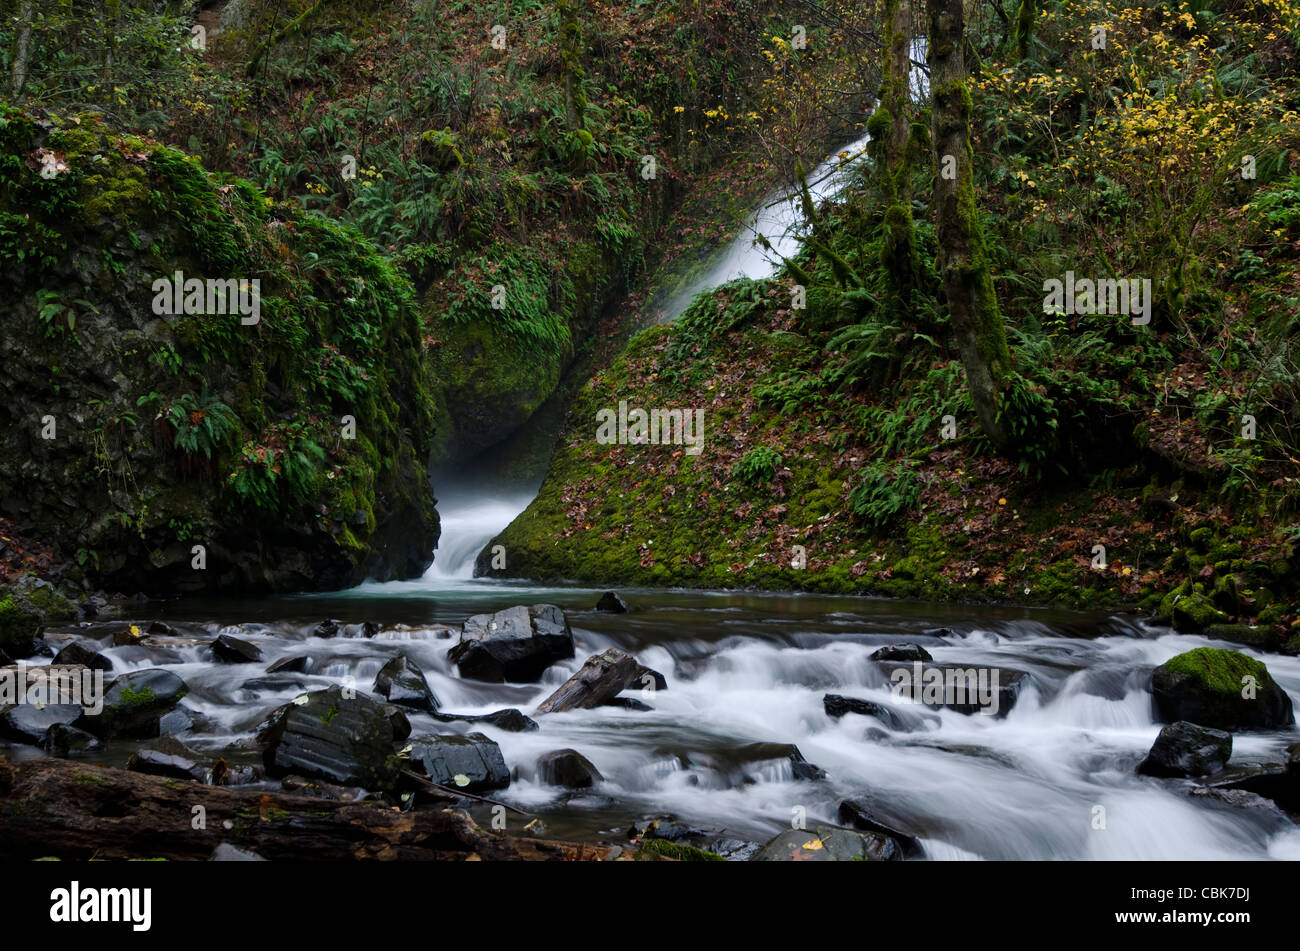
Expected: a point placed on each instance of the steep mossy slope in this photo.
(1153, 457)
(294, 449)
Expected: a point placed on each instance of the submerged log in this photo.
(57, 808)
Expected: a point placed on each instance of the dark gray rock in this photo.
(861, 815)
(169, 757)
(905, 652)
(84, 654)
(824, 843)
(961, 685)
(135, 703)
(401, 681)
(611, 603)
(647, 679)
(343, 740)
(515, 645)
(263, 684)
(1185, 749)
(509, 719)
(231, 650)
(64, 740)
(328, 628)
(472, 763)
(299, 664)
(756, 754)
(28, 723)
(177, 721)
(897, 719)
(567, 768)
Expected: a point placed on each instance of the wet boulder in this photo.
(327, 628)
(515, 645)
(168, 757)
(861, 815)
(905, 652)
(1185, 749)
(611, 603)
(754, 756)
(135, 703)
(29, 723)
(401, 681)
(964, 688)
(296, 664)
(567, 768)
(62, 739)
(824, 843)
(176, 721)
(265, 684)
(601, 678)
(895, 718)
(82, 654)
(344, 739)
(509, 719)
(647, 679)
(227, 649)
(1222, 689)
(472, 763)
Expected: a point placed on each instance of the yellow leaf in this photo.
(813, 846)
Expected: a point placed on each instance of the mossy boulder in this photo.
(26, 607)
(1189, 610)
(1221, 689)
(286, 429)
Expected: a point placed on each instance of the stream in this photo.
(746, 668)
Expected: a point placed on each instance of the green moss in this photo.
(138, 698)
(651, 849)
(1218, 671)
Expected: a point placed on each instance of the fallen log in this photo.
(603, 676)
(68, 810)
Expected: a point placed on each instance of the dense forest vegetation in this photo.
(331, 332)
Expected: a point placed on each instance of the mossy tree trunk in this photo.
(1025, 18)
(575, 100)
(963, 260)
(21, 46)
(890, 127)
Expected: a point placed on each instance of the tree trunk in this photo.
(575, 100)
(22, 45)
(1025, 18)
(963, 262)
(890, 126)
(58, 808)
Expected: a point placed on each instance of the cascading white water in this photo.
(779, 219)
(744, 668)
(467, 525)
(469, 521)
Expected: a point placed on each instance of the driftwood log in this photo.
(602, 677)
(58, 808)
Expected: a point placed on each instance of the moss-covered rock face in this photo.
(1222, 689)
(292, 447)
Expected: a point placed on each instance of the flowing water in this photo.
(745, 668)
(1054, 778)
